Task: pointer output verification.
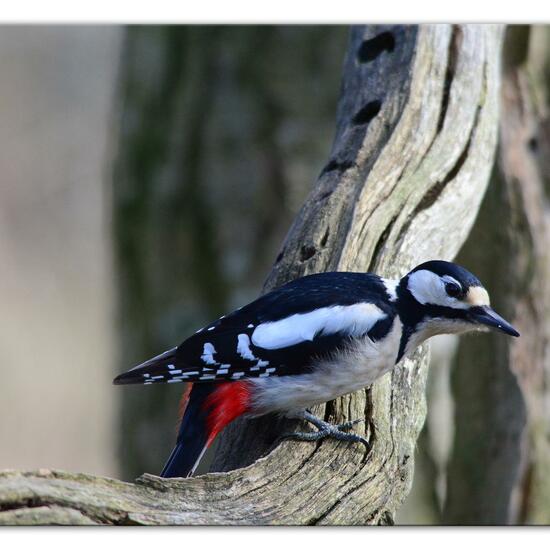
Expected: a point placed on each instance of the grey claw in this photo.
(350, 424)
(325, 429)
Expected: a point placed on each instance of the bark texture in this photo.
(499, 470)
(415, 138)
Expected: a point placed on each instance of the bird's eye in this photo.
(453, 290)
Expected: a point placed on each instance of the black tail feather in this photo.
(142, 373)
(192, 437)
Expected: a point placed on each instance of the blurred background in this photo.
(149, 175)
(57, 342)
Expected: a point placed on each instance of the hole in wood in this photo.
(334, 164)
(307, 252)
(371, 49)
(367, 113)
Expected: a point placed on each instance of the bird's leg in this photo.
(325, 429)
(322, 424)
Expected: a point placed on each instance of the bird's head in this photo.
(442, 297)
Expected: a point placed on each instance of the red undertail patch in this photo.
(229, 401)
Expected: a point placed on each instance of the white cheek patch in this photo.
(426, 287)
(477, 296)
(429, 288)
(354, 320)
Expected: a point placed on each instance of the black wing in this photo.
(225, 349)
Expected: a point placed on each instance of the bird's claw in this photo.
(350, 424)
(325, 430)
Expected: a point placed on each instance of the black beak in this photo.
(484, 315)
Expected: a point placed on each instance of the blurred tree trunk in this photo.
(221, 133)
(500, 467)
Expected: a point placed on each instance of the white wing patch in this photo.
(208, 354)
(391, 288)
(243, 347)
(354, 320)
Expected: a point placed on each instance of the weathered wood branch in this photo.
(414, 146)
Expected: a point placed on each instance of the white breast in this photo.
(357, 367)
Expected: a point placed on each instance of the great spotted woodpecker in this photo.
(307, 342)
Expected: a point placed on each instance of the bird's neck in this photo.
(413, 316)
(411, 311)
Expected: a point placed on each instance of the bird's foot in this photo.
(325, 430)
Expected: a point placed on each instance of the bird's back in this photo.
(278, 334)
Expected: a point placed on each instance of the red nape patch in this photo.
(228, 402)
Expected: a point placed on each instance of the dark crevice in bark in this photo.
(340, 166)
(24, 503)
(348, 492)
(355, 489)
(98, 517)
(330, 411)
(369, 421)
(383, 239)
(453, 52)
(324, 239)
(454, 49)
(334, 506)
(433, 193)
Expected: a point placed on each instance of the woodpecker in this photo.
(312, 340)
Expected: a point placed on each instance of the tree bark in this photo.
(414, 145)
(499, 470)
